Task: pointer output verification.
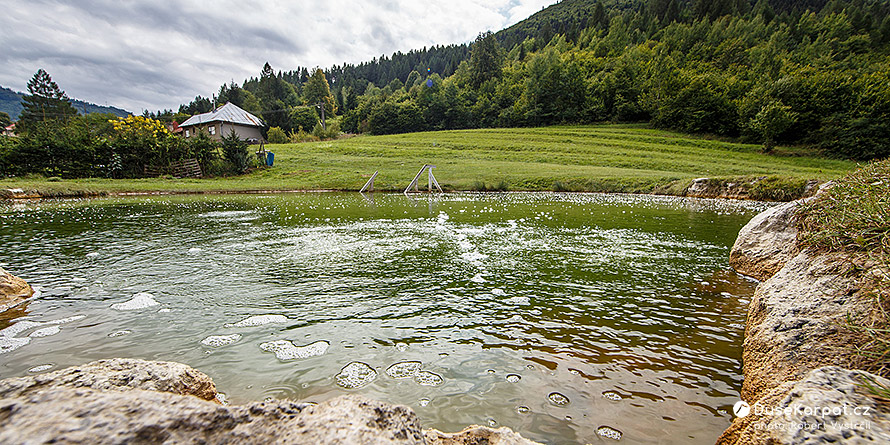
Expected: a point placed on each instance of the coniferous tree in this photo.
(486, 59)
(316, 90)
(47, 102)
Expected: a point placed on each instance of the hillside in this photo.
(609, 158)
(11, 103)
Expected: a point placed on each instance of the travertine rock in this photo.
(475, 434)
(797, 342)
(13, 290)
(117, 374)
(829, 405)
(136, 401)
(767, 242)
(796, 321)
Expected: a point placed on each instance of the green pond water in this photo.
(567, 317)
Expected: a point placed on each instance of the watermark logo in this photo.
(741, 408)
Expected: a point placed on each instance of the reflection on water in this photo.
(567, 317)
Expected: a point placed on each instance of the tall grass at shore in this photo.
(853, 216)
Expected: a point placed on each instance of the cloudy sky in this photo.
(155, 55)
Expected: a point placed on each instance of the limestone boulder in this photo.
(86, 415)
(136, 401)
(117, 374)
(796, 321)
(767, 242)
(13, 290)
(828, 405)
(476, 434)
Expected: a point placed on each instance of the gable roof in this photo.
(229, 112)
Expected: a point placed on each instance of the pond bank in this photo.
(760, 188)
(800, 353)
(127, 400)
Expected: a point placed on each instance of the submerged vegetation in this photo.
(854, 216)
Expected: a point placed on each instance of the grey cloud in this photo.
(157, 55)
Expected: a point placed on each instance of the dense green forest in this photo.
(811, 72)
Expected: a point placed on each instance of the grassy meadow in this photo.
(610, 158)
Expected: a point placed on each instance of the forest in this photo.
(780, 72)
(812, 73)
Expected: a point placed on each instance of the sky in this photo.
(150, 55)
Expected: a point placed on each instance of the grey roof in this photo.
(229, 112)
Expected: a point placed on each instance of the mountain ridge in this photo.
(11, 104)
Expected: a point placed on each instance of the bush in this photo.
(235, 152)
(331, 132)
(276, 136)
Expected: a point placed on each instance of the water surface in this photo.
(567, 317)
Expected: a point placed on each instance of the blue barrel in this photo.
(270, 158)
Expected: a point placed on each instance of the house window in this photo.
(212, 129)
(186, 133)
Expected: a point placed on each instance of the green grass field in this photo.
(613, 158)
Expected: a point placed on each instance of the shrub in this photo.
(276, 136)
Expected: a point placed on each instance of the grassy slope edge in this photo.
(853, 217)
(603, 158)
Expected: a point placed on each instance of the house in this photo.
(10, 130)
(222, 121)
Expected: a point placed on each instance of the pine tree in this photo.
(317, 90)
(486, 59)
(47, 102)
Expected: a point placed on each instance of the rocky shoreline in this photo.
(138, 401)
(798, 350)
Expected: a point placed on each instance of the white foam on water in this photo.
(498, 291)
(286, 350)
(477, 278)
(141, 300)
(402, 347)
(216, 341)
(195, 250)
(258, 320)
(46, 332)
(119, 333)
(356, 375)
(611, 395)
(163, 310)
(78, 279)
(427, 378)
(221, 398)
(41, 368)
(403, 370)
(609, 432)
(518, 301)
(19, 327)
(9, 344)
(558, 399)
(92, 254)
(424, 401)
(66, 319)
(513, 378)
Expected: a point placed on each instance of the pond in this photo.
(567, 317)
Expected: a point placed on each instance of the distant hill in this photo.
(11, 103)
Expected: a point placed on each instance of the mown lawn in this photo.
(627, 158)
